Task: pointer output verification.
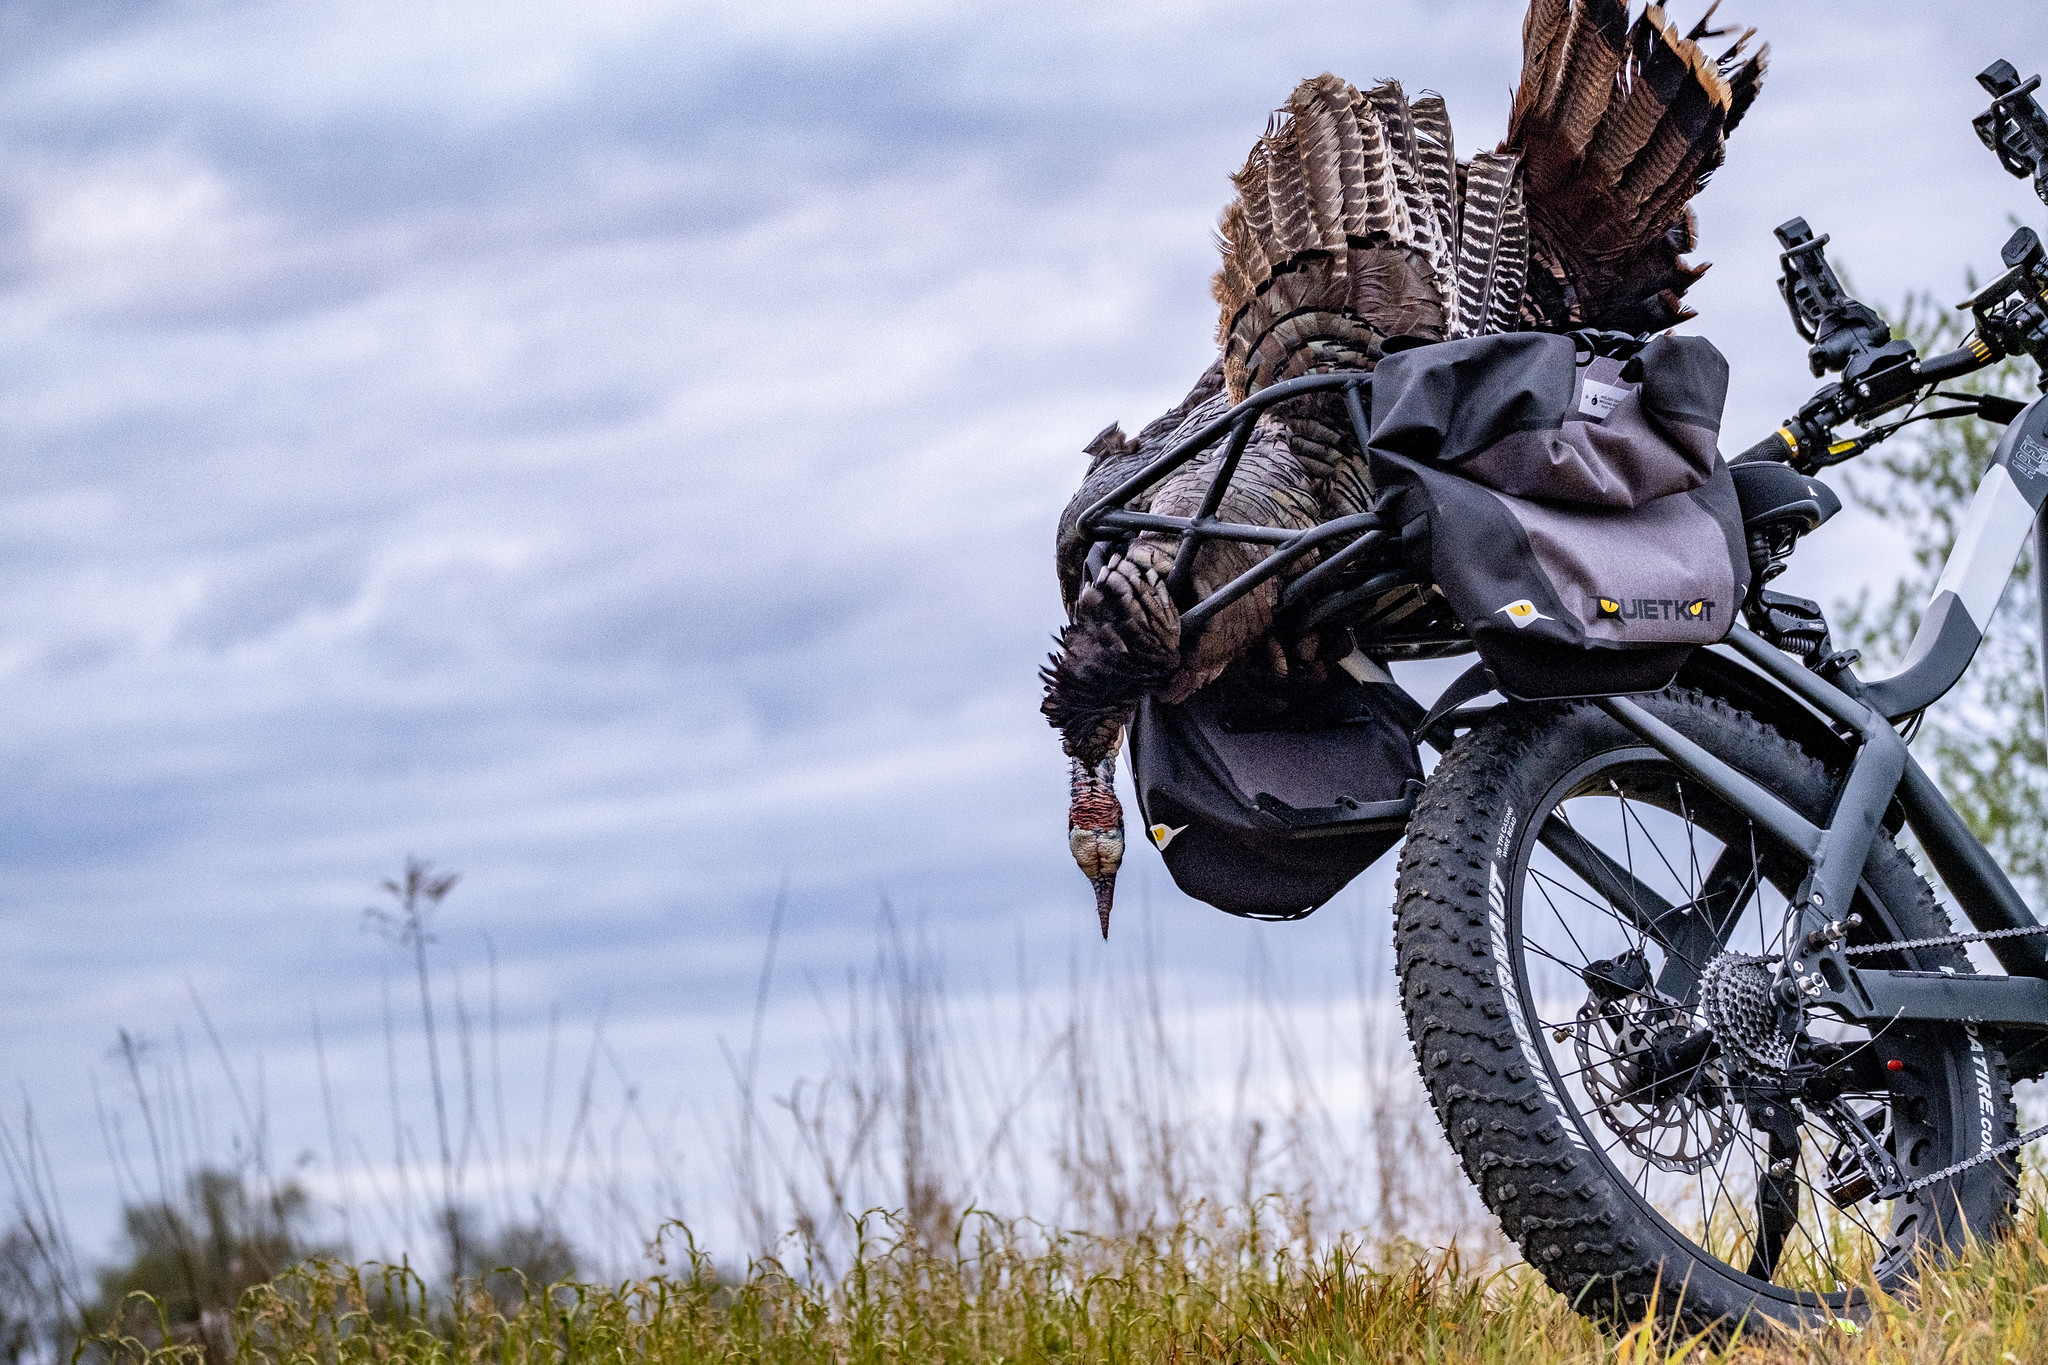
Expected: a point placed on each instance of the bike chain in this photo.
(1944, 941)
(2003, 1148)
(1990, 1154)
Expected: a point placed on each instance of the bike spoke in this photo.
(1651, 840)
(1543, 884)
(1745, 1216)
(1642, 907)
(1710, 923)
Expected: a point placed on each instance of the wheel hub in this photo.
(1651, 1077)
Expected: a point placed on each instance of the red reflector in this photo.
(1894, 1065)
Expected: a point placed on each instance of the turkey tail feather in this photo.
(1510, 263)
(1425, 220)
(1593, 54)
(1619, 124)
(1437, 162)
(1493, 249)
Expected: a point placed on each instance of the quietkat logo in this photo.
(1652, 609)
(1522, 613)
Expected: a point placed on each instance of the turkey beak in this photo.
(1095, 830)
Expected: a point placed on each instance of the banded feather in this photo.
(1287, 191)
(1317, 144)
(1425, 226)
(1657, 69)
(1587, 84)
(1510, 262)
(1343, 102)
(1492, 210)
(1619, 125)
(1544, 29)
(1375, 166)
(1390, 102)
(1437, 161)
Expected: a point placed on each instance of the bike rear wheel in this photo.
(1564, 893)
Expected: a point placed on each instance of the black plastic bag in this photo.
(1270, 816)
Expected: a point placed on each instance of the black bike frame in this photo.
(2002, 513)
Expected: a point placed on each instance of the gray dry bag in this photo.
(1567, 495)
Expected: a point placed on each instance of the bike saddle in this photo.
(1771, 493)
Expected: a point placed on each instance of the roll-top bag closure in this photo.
(1567, 496)
(1545, 416)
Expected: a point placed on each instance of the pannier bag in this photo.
(1567, 495)
(1270, 816)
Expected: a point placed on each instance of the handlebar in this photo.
(1880, 372)
(1780, 446)
(1954, 365)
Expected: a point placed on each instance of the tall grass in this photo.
(1209, 1289)
(1103, 1103)
(1068, 1164)
(1106, 1104)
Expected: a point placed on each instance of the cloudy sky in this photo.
(611, 450)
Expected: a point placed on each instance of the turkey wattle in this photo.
(1354, 223)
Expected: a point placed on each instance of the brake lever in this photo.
(1989, 407)
(2011, 312)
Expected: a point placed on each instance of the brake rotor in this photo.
(1677, 1128)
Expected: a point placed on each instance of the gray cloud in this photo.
(613, 450)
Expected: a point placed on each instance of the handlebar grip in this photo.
(1935, 369)
(1772, 447)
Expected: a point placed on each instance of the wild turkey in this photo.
(1354, 224)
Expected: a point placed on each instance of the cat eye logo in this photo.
(1162, 835)
(1523, 613)
(1609, 609)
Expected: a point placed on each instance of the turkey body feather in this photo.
(1125, 640)
(1353, 224)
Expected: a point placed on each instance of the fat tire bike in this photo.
(1700, 1032)
(1702, 1035)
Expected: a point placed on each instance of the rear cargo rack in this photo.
(1110, 518)
(1362, 584)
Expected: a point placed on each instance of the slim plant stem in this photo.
(416, 895)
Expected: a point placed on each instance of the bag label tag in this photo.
(1596, 399)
